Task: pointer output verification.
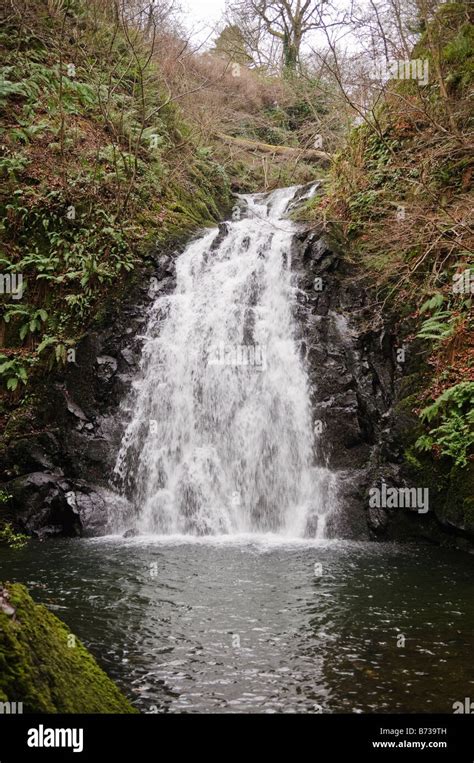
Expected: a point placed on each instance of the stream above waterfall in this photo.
(258, 624)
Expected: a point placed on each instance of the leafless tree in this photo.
(286, 22)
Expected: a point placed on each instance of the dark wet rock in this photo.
(162, 286)
(132, 533)
(90, 452)
(34, 453)
(303, 193)
(223, 231)
(91, 507)
(74, 408)
(129, 356)
(361, 404)
(377, 519)
(165, 264)
(106, 367)
(41, 507)
(46, 505)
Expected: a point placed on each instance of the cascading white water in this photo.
(220, 437)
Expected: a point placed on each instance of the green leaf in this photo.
(433, 303)
(47, 341)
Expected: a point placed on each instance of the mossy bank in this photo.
(46, 667)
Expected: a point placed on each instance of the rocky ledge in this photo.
(58, 453)
(364, 379)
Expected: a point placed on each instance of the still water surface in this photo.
(243, 624)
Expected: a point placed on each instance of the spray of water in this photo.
(220, 436)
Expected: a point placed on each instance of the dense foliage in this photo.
(399, 202)
(97, 165)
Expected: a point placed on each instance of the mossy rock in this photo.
(458, 509)
(44, 666)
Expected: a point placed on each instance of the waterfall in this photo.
(220, 436)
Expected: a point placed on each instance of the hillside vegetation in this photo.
(399, 203)
(98, 165)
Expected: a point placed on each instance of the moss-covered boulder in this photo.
(46, 667)
(458, 510)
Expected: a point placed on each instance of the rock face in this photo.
(362, 381)
(57, 468)
(69, 681)
(57, 464)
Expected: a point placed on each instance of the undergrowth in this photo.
(399, 199)
(97, 165)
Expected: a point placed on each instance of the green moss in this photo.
(458, 509)
(410, 459)
(7, 534)
(44, 666)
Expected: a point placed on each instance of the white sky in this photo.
(202, 15)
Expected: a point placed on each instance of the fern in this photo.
(433, 303)
(439, 326)
(457, 396)
(454, 435)
(12, 372)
